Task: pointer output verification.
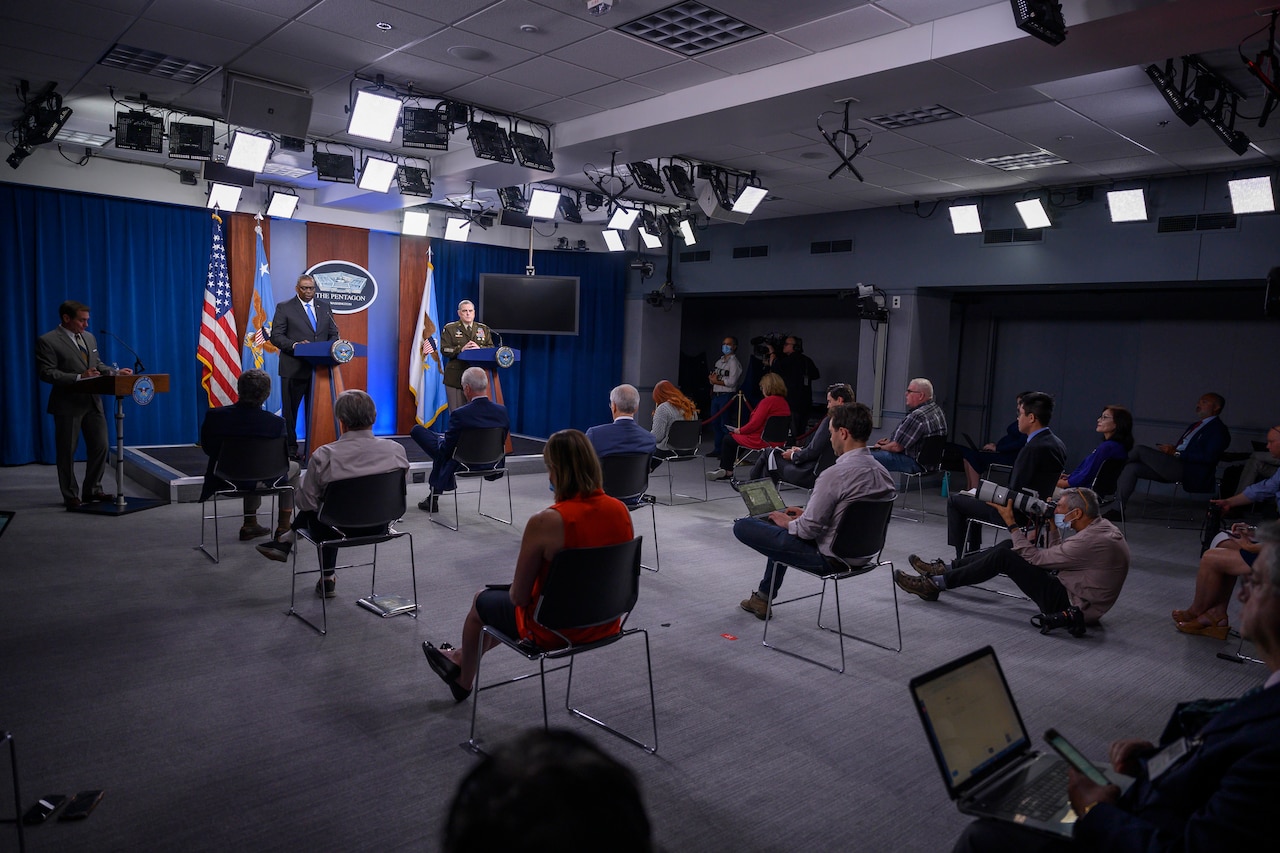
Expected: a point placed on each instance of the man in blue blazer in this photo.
(479, 412)
(300, 320)
(623, 434)
(1193, 461)
(1212, 781)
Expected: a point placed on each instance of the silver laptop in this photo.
(761, 497)
(982, 748)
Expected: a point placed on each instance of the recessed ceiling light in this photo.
(467, 52)
(529, 28)
(383, 25)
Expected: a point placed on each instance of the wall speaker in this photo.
(263, 105)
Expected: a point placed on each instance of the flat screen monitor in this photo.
(529, 304)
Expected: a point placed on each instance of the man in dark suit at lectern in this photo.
(64, 356)
(300, 320)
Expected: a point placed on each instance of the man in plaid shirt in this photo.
(924, 418)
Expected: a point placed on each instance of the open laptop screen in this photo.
(973, 724)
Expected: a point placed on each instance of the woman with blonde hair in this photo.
(749, 435)
(583, 516)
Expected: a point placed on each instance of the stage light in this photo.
(646, 177)
(1033, 213)
(190, 141)
(623, 218)
(613, 240)
(340, 168)
(1040, 18)
(224, 197)
(489, 141)
(1222, 118)
(1251, 195)
(532, 152)
(569, 211)
(650, 239)
(965, 219)
(425, 128)
(377, 175)
(1127, 205)
(1186, 109)
(679, 181)
(543, 204)
(686, 232)
(282, 205)
(249, 152)
(137, 130)
(512, 198)
(373, 116)
(749, 199)
(414, 181)
(649, 230)
(457, 229)
(415, 222)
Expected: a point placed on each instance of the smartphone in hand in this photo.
(1074, 757)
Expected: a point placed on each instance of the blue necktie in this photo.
(311, 315)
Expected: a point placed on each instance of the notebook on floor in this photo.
(761, 497)
(983, 750)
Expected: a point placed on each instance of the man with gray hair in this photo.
(479, 412)
(356, 453)
(1073, 580)
(623, 434)
(924, 418)
(247, 419)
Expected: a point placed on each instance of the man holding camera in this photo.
(1037, 467)
(725, 377)
(1073, 581)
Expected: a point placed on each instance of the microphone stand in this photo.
(137, 360)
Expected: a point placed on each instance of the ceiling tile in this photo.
(358, 19)
(216, 18)
(183, 43)
(20, 34)
(490, 55)
(949, 132)
(500, 95)
(848, 27)
(679, 75)
(617, 94)
(1102, 82)
(564, 109)
(308, 42)
(920, 11)
(502, 22)
(70, 16)
(426, 75)
(759, 52)
(291, 70)
(629, 10)
(448, 11)
(554, 76)
(617, 54)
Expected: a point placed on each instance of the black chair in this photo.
(245, 466)
(685, 440)
(858, 545)
(929, 459)
(479, 454)
(1106, 485)
(776, 432)
(584, 588)
(626, 477)
(353, 508)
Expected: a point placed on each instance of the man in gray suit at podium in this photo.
(300, 320)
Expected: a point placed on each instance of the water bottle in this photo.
(946, 483)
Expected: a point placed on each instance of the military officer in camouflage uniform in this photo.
(464, 334)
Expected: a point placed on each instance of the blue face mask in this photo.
(1060, 519)
(726, 349)
(551, 487)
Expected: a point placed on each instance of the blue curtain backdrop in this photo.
(561, 381)
(139, 266)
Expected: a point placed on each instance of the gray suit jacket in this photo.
(59, 363)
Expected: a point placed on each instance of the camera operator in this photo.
(725, 378)
(1073, 581)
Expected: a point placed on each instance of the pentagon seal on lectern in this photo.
(504, 356)
(342, 351)
(144, 390)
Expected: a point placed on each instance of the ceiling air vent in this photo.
(1195, 222)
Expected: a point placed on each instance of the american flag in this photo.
(219, 349)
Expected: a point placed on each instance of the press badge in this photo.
(1166, 758)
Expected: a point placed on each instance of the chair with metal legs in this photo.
(246, 466)
(858, 545)
(776, 432)
(685, 440)
(626, 477)
(1044, 487)
(584, 588)
(480, 453)
(360, 511)
(929, 459)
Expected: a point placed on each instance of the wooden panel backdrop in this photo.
(413, 280)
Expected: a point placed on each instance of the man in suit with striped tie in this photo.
(300, 320)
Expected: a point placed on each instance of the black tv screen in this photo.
(529, 304)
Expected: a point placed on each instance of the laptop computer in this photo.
(761, 497)
(982, 747)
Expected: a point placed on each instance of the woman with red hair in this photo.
(672, 405)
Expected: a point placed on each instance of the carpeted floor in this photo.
(130, 662)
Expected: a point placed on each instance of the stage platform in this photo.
(176, 471)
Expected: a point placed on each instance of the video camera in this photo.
(761, 344)
(1025, 501)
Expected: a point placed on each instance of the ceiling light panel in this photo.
(377, 175)
(543, 204)
(1127, 205)
(965, 219)
(249, 152)
(1033, 213)
(689, 29)
(415, 223)
(282, 205)
(224, 197)
(613, 240)
(1252, 195)
(374, 115)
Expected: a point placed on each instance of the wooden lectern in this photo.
(326, 385)
(120, 387)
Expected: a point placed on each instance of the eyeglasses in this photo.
(914, 391)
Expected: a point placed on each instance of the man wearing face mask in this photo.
(1090, 564)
